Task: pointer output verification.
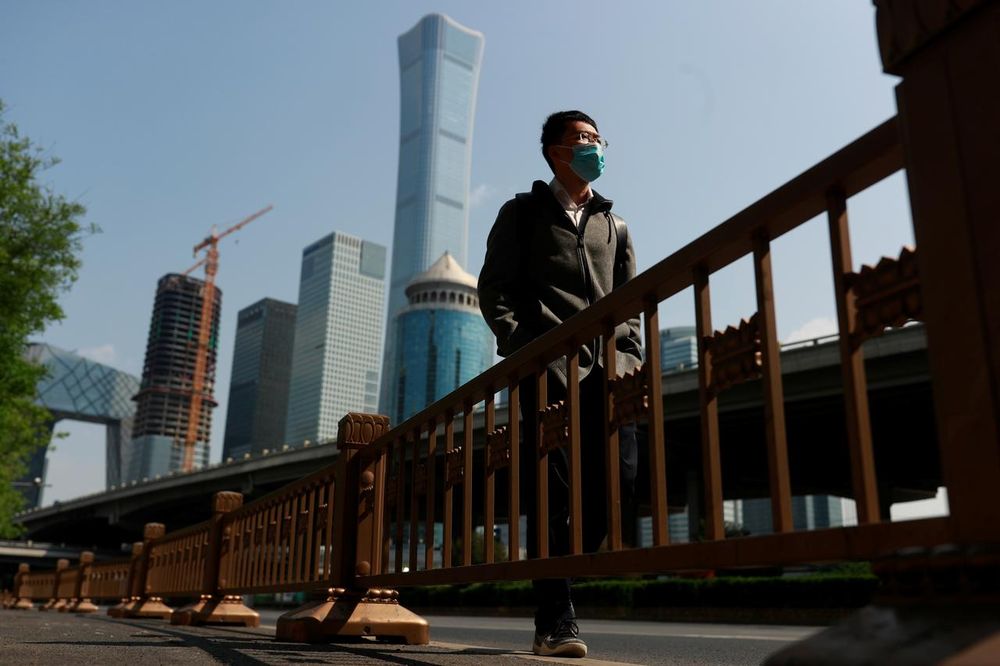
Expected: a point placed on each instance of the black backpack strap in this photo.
(621, 241)
(523, 205)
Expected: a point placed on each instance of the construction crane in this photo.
(211, 263)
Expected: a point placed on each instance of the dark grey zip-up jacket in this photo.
(530, 285)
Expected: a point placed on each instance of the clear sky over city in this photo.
(170, 117)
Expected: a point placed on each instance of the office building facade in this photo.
(164, 398)
(678, 348)
(75, 388)
(439, 62)
(809, 512)
(338, 336)
(258, 387)
(441, 338)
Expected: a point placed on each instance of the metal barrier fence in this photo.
(343, 529)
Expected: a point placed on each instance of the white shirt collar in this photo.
(573, 210)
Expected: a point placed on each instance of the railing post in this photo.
(61, 564)
(131, 596)
(351, 609)
(81, 592)
(215, 606)
(145, 601)
(949, 106)
(947, 54)
(22, 590)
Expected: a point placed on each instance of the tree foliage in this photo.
(40, 242)
(478, 550)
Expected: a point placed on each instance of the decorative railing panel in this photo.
(109, 580)
(40, 584)
(177, 562)
(281, 542)
(743, 353)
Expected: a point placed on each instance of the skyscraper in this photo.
(441, 341)
(439, 63)
(258, 388)
(809, 512)
(338, 335)
(164, 397)
(678, 348)
(79, 389)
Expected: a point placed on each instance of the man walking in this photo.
(552, 252)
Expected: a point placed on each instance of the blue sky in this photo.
(172, 117)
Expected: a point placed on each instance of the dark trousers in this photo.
(552, 596)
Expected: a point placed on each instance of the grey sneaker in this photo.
(563, 641)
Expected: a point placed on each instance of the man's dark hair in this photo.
(555, 127)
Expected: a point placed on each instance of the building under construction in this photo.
(164, 398)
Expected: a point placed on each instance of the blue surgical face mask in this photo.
(588, 161)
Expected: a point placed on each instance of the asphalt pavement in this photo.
(32, 637)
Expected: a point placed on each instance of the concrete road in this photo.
(32, 637)
(620, 641)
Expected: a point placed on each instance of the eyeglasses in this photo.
(587, 137)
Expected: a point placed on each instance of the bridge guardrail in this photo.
(109, 580)
(337, 529)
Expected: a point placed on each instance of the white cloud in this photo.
(817, 327)
(102, 354)
(479, 195)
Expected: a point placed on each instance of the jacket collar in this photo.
(542, 192)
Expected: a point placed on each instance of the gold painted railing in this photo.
(177, 562)
(343, 528)
(416, 452)
(109, 580)
(283, 542)
(38, 586)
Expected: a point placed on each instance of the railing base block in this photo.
(345, 616)
(121, 608)
(83, 606)
(216, 610)
(151, 607)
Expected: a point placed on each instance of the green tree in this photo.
(41, 238)
(478, 550)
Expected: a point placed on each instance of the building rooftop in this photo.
(444, 270)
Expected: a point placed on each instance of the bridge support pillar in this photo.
(351, 609)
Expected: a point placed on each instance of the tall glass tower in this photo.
(678, 348)
(439, 63)
(338, 336)
(258, 388)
